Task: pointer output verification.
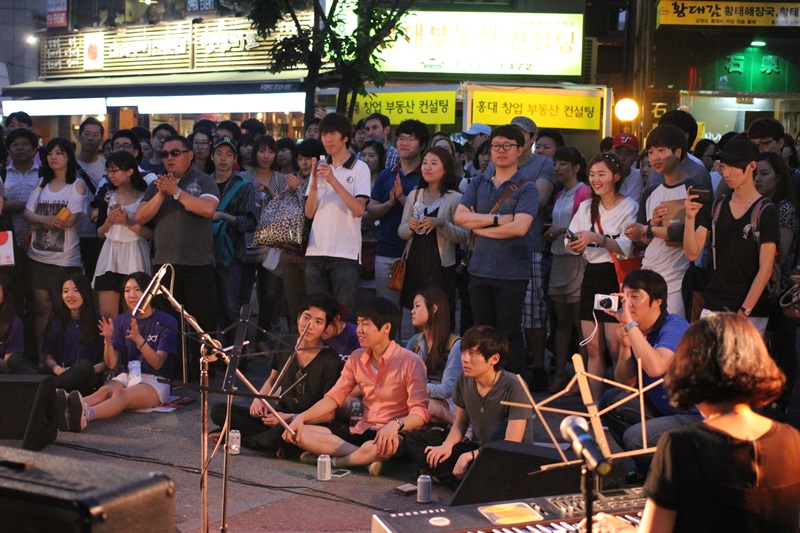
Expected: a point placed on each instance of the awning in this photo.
(205, 83)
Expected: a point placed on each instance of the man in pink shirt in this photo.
(394, 383)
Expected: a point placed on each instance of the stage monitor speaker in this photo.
(28, 410)
(510, 470)
(42, 493)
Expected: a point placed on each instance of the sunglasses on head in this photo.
(174, 153)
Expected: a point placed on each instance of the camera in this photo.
(606, 302)
(463, 265)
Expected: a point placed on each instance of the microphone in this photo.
(150, 292)
(576, 430)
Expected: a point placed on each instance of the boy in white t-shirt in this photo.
(337, 197)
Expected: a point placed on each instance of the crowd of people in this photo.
(613, 258)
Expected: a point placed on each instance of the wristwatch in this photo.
(496, 219)
(745, 311)
(177, 193)
(649, 233)
(401, 423)
(631, 325)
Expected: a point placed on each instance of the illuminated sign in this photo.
(690, 13)
(56, 13)
(169, 47)
(547, 110)
(434, 107)
(534, 44)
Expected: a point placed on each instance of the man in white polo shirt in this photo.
(337, 197)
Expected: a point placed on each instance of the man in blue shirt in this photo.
(500, 266)
(647, 333)
(389, 195)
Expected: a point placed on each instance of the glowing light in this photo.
(626, 109)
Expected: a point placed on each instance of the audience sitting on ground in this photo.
(138, 350)
(478, 394)
(440, 349)
(306, 374)
(647, 333)
(395, 399)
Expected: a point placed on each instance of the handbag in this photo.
(283, 221)
(790, 300)
(224, 249)
(623, 267)
(398, 275)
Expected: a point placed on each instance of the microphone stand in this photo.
(212, 351)
(587, 487)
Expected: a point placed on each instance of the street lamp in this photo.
(626, 110)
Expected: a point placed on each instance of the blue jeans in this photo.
(498, 303)
(228, 295)
(625, 423)
(336, 276)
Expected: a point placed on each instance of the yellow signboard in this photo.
(700, 13)
(547, 110)
(461, 42)
(434, 107)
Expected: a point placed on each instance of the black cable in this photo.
(291, 489)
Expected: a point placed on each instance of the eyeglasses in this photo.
(20, 146)
(505, 147)
(173, 153)
(113, 170)
(406, 139)
(299, 378)
(122, 146)
(764, 144)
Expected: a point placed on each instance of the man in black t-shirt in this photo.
(743, 252)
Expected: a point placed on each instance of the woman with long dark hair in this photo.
(598, 229)
(440, 350)
(72, 350)
(201, 140)
(736, 470)
(432, 253)
(147, 341)
(125, 249)
(53, 210)
(566, 274)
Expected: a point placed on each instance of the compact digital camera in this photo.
(606, 302)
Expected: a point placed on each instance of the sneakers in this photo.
(77, 412)
(539, 382)
(62, 421)
(308, 458)
(374, 468)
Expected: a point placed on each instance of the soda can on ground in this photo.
(424, 489)
(235, 442)
(324, 468)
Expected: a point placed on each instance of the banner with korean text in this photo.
(701, 13)
(547, 110)
(430, 107)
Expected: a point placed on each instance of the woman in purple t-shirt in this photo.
(139, 350)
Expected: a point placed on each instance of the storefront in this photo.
(728, 63)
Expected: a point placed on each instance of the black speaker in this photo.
(42, 493)
(28, 410)
(510, 470)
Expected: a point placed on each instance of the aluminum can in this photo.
(235, 442)
(324, 468)
(424, 489)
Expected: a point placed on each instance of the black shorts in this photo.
(110, 281)
(356, 439)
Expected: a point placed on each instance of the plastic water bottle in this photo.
(419, 213)
(356, 412)
(134, 372)
(112, 200)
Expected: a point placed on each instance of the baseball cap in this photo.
(627, 140)
(525, 124)
(224, 141)
(477, 129)
(738, 153)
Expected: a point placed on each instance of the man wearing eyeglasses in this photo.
(389, 195)
(160, 134)
(22, 175)
(502, 240)
(181, 203)
(128, 141)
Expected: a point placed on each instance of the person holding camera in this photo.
(649, 334)
(596, 231)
